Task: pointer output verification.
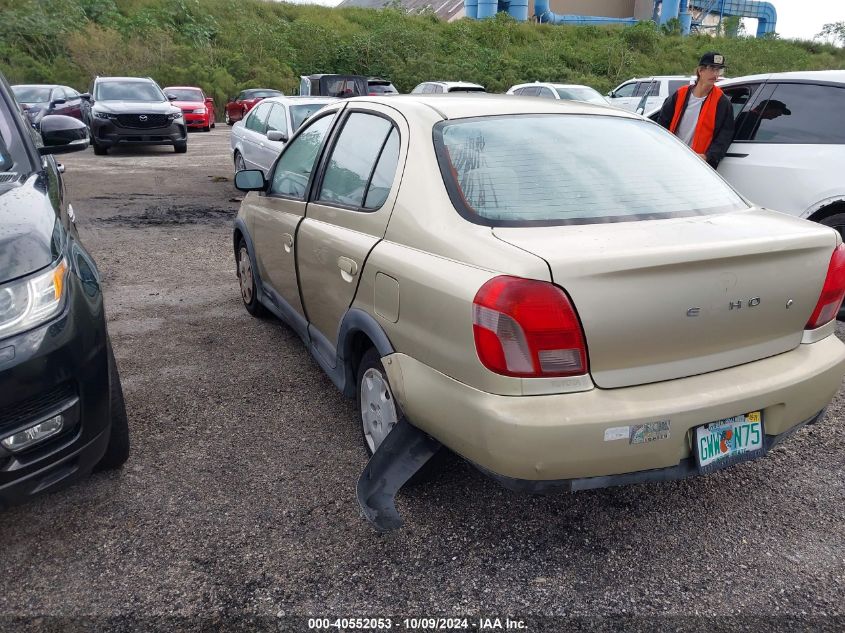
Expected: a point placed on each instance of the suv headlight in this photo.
(29, 302)
(104, 115)
(174, 116)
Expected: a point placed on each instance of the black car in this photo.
(133, 111)
(61, 403)
(328, 85)
(39, 100)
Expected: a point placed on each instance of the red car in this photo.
(197, 109)
(237, 107)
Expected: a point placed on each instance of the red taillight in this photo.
(832, 292)
(527, 328)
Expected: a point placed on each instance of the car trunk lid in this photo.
(665, 299)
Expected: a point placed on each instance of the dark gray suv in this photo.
(133, 111)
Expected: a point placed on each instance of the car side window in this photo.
(545, 92)
(257, 119)
(626, 90)
(675, 84)
(277, 119)
(427, 89)
(241, 96)
(383, 175)
(531, 91)
(436, 88)
(518, 92)
(652, 87)
(353, 159)
(294, 167)
(800, 114)
(739, 96)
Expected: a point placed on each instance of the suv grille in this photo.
(142, 121)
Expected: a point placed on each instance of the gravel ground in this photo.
(238, 502)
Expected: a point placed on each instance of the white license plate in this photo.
(734, 439)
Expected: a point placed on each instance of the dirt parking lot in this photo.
(238, 501)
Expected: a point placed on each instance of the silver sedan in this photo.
(259, 138)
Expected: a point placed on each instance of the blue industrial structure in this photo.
(664, 10)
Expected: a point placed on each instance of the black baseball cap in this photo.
(712, 58)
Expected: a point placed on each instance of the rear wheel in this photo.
(117, 451)
(180, 148)
(379, 412)
(835, 221)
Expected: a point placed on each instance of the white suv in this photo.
(788, 152)
(437, 87)
(629, 94)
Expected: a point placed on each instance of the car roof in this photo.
(463, 105)
(658, 77)
(38, 86)
(183, 88)
(138, 79)
(299, 100)
(551, 84)
(835, 76)
(452, 84)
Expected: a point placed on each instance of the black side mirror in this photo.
(59, 101)
(250, 180)
(85, 96)
(62, 135)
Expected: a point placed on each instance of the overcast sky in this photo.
(796, 18)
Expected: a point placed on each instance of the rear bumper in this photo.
(557, 437)
(60, 367)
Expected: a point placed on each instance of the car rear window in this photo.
(518, 170)
(185, 94)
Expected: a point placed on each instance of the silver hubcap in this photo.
(245, 276)
(378, 410)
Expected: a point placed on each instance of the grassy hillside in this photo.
(226, 45)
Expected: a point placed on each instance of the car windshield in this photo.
(263, 94)
(185, 94)
(300, 113)
(518, 170)
(32, 94)
(128, 91)
(581, 94)
(13, 156)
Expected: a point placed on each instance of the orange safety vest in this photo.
(703, 135)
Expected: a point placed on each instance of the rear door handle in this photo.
(287, 241)
(348, 267)
(735, 155)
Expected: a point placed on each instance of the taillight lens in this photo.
(832, 293)
(527, 328)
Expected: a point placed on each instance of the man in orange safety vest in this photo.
(700, 114)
